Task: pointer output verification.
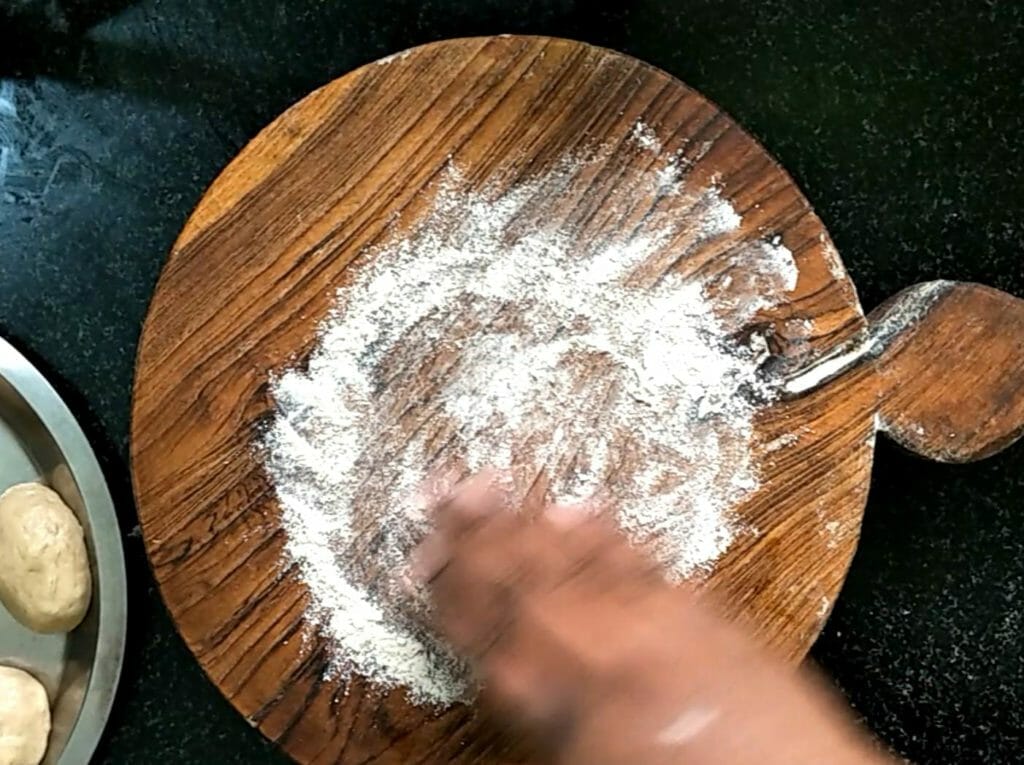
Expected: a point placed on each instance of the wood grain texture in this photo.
(953, 384)
(256, 267)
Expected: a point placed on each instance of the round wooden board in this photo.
(255, 270)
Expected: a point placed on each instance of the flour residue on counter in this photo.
(493, 334)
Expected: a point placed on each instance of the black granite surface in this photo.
(901, 121)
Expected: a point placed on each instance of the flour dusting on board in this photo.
(495, 334)
(645, 137)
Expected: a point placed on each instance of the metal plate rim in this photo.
(67, 434)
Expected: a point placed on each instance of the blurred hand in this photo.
(578, 641)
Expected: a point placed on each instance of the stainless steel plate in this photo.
(41, 441)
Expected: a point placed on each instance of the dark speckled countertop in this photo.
(902, 122)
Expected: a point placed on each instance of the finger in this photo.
(471, 608)
(436, 488)
(568, 515)
(475, 499)
(597, 555)
(456, 507)
(536, 691)
(429, 558)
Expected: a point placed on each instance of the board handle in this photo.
(949, 364)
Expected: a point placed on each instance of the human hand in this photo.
(578, 640)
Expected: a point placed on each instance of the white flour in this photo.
(645, 137)
(494, 335)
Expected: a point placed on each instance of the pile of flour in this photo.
(492, 335)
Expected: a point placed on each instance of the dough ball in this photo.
(24, 718)
(44, 569)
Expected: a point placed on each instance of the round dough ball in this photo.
(24, 718)
(44, 569)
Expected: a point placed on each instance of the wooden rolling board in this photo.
(255, 270)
